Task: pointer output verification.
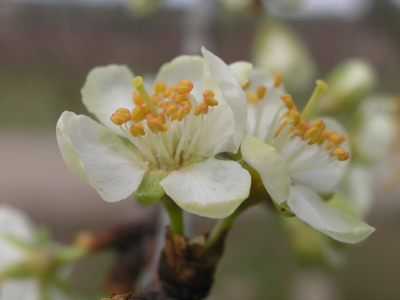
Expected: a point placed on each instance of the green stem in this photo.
(175, 215)
(225, 224)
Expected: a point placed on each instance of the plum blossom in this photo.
(162, 142)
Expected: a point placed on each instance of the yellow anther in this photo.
(125, 112)
(197, 110)
(171, 109)
(180, 114)
(330, 145)
(137, 129)
(301, 128)
(295, 116)
(287, 99)
(167, 93)
(261, 90)
(155, 124)
(180, 98)
(138, 113)
(173, 116)
(159, 87)
(186, 109)
(121, 116)
(164, 128)
(208, 93)
(319, 124)
(185, 86)
(137, 98)
(159, 104)
(277, 79)
(150, 116)
(155, 98)
(204, 108)
(117, 119)
(324, 136)
(210, 101)
(247, 85)
(252, 97)
(312, 134)
(337, 138)
(162, 118)
(340, 154)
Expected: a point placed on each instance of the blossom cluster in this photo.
(166, 138)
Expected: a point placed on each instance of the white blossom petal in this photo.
(266, 107)
(228, 124)
(326, 178)
(241, 70)
(16, 224)
(111, 166)
(106, 89)
(310, 208)
(272, 168)
(184, 67)
(211, 188)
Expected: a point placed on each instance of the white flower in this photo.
(165, 141)
(297, 159)
(18, 255)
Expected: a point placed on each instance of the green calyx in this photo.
(150, 190)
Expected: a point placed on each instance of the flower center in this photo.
(304, 146)
(168, 125)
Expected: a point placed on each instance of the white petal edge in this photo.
(68, 153)
(106, 89)
(325, 179)
(273, 170)
(241, 70)
(111, 166)
(211, 188)
(13, 222)
(310, 208)
(233, 95)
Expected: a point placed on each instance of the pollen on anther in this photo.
(261, 90)
(160, 87)
(277, 79)
(340, 154)
(287, 99)
(137, 129)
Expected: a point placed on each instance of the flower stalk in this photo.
(175, 215)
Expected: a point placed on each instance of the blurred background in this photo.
(47, 47)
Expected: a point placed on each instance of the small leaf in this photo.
(150, 190)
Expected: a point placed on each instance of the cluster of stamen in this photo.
(316, 133)
(289, 123)
(158, 112)
(171, 104)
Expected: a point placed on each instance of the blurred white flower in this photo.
(163, 142)
(278, 48)
(298, 159)
(349, 82)
(27, 265)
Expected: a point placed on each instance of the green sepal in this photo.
(18, 270)
(283, 210)
(150, 190)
